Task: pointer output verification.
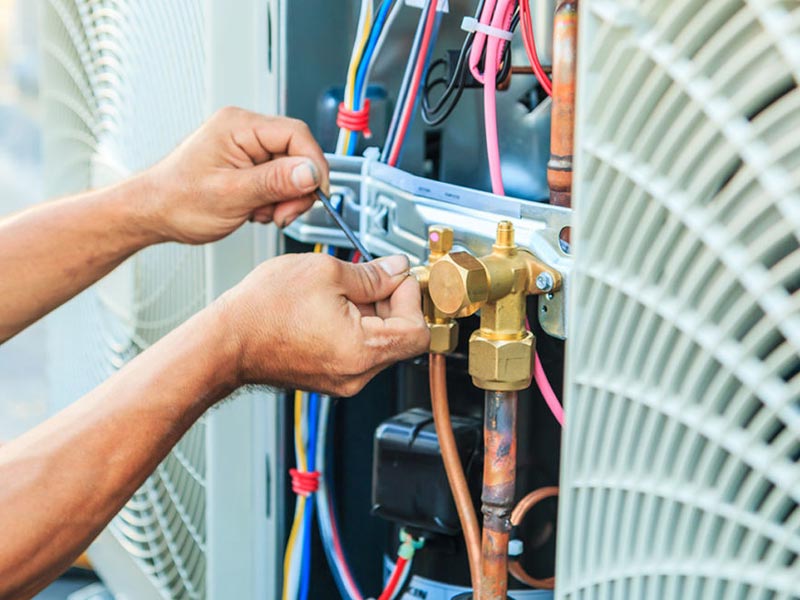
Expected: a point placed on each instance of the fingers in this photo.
(292, 137)
(398, 331)
(287, 212)
(367, 283)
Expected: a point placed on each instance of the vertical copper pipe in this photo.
(565, 42)
(499, 474)
(453, 467)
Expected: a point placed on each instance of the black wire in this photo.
(435, 114)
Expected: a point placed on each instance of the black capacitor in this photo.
(409, 483)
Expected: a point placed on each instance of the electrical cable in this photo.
(453, 467)
(517, 515)
(292, 555)
(410, 101)
(362, 33)
(405, 83)
(326, 518)
(526, 28)
(313, 416)
(501, 19)
(546, 389)
(364, 66)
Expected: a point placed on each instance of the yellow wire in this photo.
(302, 465)
(352, 70)
(287, 557)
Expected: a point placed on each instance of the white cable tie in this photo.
(471, 25)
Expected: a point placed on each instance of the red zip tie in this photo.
(354, 120)
(304, 483)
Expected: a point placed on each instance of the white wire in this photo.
(398, 4)
(363, 22)
(323, 513)
(403, 578)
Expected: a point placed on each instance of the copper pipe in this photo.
(559, 167)
(517, 515)
(499, 476)
(453, 467)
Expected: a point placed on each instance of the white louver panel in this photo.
(123, 83)
(681, 466)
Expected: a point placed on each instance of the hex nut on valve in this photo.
(444, 337)
(458, 284)
(502, 365)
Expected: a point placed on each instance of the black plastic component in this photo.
(409, 483)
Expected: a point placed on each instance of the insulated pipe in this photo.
(453, 467)
(562, 135)
(499, 475)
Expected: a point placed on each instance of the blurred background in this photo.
(23, 372)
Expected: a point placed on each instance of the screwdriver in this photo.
(351, 235)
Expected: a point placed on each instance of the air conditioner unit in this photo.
(123, 83)
(681, 465)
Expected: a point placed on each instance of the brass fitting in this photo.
(444, 329)
(459, 284)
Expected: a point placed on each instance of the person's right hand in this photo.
(312, 322)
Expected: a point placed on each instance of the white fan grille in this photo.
(680, 474)
(123, 82)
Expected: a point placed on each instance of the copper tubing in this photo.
(499, 476)
(453, 467)
(518, 514)
(559, 167)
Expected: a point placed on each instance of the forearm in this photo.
(63, 481)
(51, 252)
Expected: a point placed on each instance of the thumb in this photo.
(283, 179)
(371, 282)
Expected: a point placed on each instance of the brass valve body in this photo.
(443, 329)
(459, 284)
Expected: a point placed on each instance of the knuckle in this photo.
(276, 182)
(228, 112)
(370, 279)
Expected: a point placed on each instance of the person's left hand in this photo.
(238, 166)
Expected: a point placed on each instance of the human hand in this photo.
(313, 322)
(238, 166)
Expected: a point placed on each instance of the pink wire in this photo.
(501, 19)
(479, 40)
(546, 389)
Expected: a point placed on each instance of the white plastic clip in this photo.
(471, 24)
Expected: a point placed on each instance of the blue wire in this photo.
(308, 522)
(363, 66)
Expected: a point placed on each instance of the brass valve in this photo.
(444, 329)
(459, 284)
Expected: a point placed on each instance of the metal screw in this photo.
(544, 281)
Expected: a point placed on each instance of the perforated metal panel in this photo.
(680, 472)
(123, 83)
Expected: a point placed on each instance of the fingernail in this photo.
(394, 265)
(305, 176)
(288, 221)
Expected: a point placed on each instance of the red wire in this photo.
(412, 93)
(526, 25)
(394, 580)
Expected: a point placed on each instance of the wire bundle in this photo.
(353, 117)
(526, 28)
(419, 58)
(435, 113)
